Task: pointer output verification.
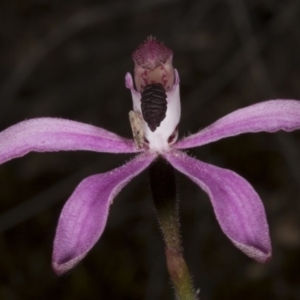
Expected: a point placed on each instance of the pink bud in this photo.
(153, 64)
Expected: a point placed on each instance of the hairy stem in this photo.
(163, 189)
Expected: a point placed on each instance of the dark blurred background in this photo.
(68, 59)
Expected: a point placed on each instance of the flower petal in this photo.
(267, 116)
(84, 215)
(53, 134)
(237, 206)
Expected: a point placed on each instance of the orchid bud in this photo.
(153, 64)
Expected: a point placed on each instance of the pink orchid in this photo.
(155, 118)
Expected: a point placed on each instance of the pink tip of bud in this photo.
(153, 64)
(151, 54)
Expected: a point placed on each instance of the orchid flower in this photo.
(154, 120)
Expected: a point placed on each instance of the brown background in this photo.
(68, 59)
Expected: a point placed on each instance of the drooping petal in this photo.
(84, 215)
(237, 206)
(267, 116)
(53, 134)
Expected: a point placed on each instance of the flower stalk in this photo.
(163, 189)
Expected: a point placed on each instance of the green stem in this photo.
(163, 188)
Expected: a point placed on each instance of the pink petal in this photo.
(237, 206)
(52, 134)
(267, 116)
(84, 215)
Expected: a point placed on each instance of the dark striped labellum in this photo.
(154, 104)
